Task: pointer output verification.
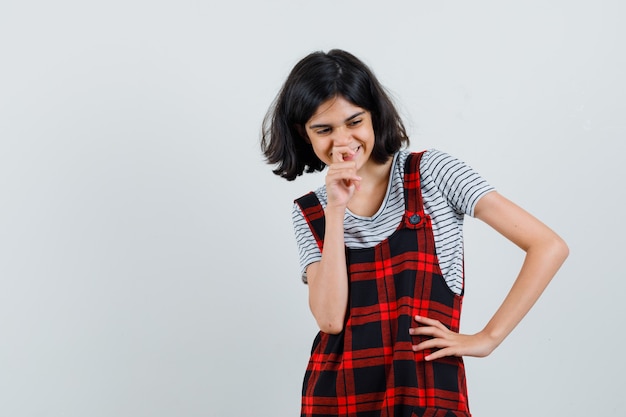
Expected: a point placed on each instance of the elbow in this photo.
(330, 327)
(562, 249)
(565, 250)
(328, 321)
(551, 251)
(329, 312)
(557, 250)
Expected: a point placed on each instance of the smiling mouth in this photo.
(350, 157)
(354, 151)
(346, 156)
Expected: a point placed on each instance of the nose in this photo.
(341, 136)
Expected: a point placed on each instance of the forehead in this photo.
(335, 109)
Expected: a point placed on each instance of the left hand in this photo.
(450, 343)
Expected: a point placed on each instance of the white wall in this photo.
(147, 261)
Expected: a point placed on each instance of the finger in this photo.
(428, 344)
(441, 353)
(429, 322)
(343, 171)
(427, 331)
(338, 153)
(435, 343)
(440, 349)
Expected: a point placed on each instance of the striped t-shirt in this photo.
(450, 189)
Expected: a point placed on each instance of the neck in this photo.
(368, 198)
(373, 173)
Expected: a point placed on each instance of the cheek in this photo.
(319, 144)
(320, 151)
(368, 135)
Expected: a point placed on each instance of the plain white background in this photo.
(147, 261)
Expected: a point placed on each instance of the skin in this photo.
(342, 136)
(545, 253)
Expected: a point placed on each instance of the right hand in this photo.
(341, 179)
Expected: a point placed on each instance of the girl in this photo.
(381, 247)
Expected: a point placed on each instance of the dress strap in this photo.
(414, 207)
(314, 215)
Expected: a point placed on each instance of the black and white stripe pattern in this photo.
(450, 189)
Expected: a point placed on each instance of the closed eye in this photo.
(323, 131)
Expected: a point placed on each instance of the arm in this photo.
(545, 253)
(328, 278)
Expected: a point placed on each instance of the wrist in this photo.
(492, 338)
(335, 211)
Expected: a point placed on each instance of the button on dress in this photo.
(370, 369)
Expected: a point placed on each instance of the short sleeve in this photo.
(455, 180)
(308, 251)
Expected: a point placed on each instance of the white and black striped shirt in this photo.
(450, 189)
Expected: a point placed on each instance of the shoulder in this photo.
(317, 196)
(442, 167)
(434, 159)
(430, 158)
(456, 181)
(399, 162)
(309, 206)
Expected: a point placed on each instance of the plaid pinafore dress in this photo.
(369, 369)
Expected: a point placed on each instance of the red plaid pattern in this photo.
(370, 369)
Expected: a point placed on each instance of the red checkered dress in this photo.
(369, 369)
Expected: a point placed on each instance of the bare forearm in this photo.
(540, 265)
(545, 253)
(328, 279)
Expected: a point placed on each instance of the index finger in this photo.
(427, 321)
(339, 151)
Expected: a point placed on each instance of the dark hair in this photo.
(315, 79)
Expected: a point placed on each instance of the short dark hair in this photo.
(315, 79)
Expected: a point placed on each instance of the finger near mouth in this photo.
(345, 155)
(350, 156)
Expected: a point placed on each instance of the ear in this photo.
(302, 132)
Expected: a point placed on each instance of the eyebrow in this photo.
(345, 121)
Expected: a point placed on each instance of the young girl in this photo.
(381, 247)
